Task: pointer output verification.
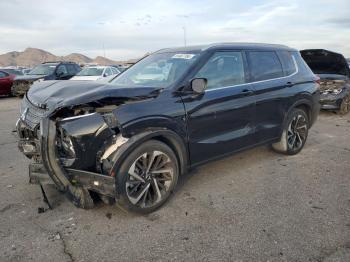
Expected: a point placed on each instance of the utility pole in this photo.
(185, 37)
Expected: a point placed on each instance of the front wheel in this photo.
(147, 177)
(294, 134)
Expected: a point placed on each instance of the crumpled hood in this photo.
(29, 77)
(57, 94)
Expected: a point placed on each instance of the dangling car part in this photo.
(334, 72)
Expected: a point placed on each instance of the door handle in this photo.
(289, 84)
(247, 92)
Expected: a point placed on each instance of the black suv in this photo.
(44, 71)
(129, 140)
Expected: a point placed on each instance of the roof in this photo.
(199, 48)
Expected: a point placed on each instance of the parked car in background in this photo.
(26, 71)
(120, 68)
(44, 71)
(131, 139)
(334, 72)
(93, 73)
(11, 71)
(6, 81)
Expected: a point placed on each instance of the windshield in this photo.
(157, 70)
(13, 72)
(43, 70)
(91, 71)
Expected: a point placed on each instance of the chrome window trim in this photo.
(76, 117)
(261, 81)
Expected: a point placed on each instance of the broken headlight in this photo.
(110, 120)
(65, 148)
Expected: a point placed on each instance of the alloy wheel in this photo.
(150, 178)
(297, 132)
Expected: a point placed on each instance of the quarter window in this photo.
(287, 62)
(264, 65)
(223, 69)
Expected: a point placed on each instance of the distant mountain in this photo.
(33, 56)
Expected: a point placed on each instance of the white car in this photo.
(93, 73)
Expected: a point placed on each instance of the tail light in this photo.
(317, 79)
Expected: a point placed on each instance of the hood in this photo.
(325, 62)
(86, 78)
(29, 77)
(57, 94)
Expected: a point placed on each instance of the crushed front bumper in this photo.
(48, 170)
(332, 102)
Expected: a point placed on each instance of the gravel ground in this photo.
(254, 206)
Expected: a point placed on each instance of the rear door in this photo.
(269, 83)
(222, 119)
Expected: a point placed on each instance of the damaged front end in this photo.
(73, 146)
(333, 90)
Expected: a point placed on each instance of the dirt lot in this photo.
(253, 206)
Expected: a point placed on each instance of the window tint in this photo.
(114, 70)
(287, 62)
(223, 69)
(62, 70)
(108, 71)
(264, 65)
(2, 74)
(71, 69)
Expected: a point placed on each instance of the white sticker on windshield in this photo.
(183, 56)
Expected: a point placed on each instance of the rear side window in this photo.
(264, 65)
(223, 69)
(287, 62)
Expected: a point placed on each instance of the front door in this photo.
(221, 120)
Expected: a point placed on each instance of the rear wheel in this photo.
(147, 177)
(345, 105)
(294, 133)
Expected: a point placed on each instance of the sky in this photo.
(128, 29)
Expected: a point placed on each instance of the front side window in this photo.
(223, 69)
(264, 65)
(157, 70)
(62, 70)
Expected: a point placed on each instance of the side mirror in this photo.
(104, 75)
(198, 85)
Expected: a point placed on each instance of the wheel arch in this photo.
(168, 137)
(303, 104)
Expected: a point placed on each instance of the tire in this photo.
(141, 187)
(294, 133)
(345, 105)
